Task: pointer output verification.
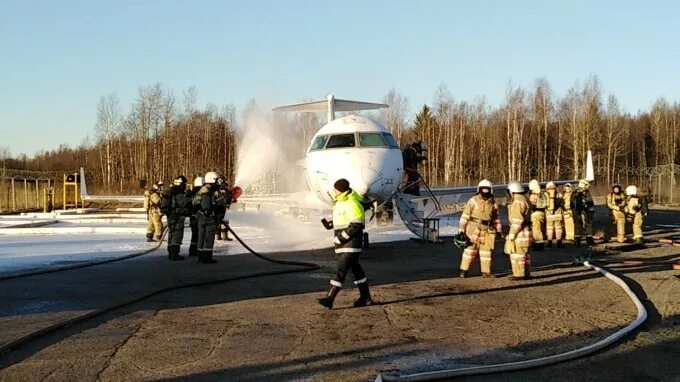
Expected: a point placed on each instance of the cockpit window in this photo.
(371, 140)
(341, 140)
(319, 143)
(391, 141)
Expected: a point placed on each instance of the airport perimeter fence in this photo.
(23, 190)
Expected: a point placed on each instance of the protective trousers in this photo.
(193, 245)
(638, 220)
(618, 227)
(568, 225)
(155, 224)
(538, 226)
(484, 250)
(584, 225)
(175, 233)
(412, 178)
(207, 225)
(520, 260)
(346, 262)
(553, 226)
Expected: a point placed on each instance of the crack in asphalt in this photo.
(119, 347)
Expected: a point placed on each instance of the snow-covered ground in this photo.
(97, 236)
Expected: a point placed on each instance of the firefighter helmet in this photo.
(485, 183)
(631, 190)
(550, 186)
(534, 186)
(515, 187)
(583, 183)
(461, 240)
(210, 177)
(198, 182)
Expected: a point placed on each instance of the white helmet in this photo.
(583, 183)
(515, 187)
(631, 190)
(198, 182)
(484, 184)
(210, 177)
(534, 186)
(550, 186)
(567, 186)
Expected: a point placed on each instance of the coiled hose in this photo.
(537, 362)
(306, 267)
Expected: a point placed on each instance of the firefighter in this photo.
(413, 156)
(553, 215)
(208, 201)
(584, 208)
(616, 201)
(152, 200)
(567, 213)
(348, 225)
(480, 223)
(223, 222)
(539, 202)
(519, 237)
(176, 206)
(193, 221)
(635, 210)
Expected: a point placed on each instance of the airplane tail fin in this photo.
(590, 173)
(83, 185)
(330, 105)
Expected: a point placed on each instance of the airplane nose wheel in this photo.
(365, 240)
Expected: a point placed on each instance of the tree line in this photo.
(533, 133)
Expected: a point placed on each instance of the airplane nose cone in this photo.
(370, 182)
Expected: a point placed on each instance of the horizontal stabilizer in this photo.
(330, 105)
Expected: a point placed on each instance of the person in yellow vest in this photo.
(348, 225)
(480, 223)
(567, 213)
(635, 211)
(616, 201)
(152, 200)
(519, 238)
(539, 202)
(553, 215)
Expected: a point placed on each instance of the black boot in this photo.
(463, 274)
(159, 237)
(364, 296)
(207, 257)
(193, 252)
(149, 239)
(638, 241)
(589, 240)
(488, 275)
(330, 297)
(549, 243)
(219, 234)
(577, 242)
(226, 236)
(559, 244)
(174, 254)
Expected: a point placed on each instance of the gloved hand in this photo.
(327, 224)
(511, 236)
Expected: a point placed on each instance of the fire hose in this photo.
(536, 362)
(305, 267)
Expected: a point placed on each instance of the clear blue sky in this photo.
(57, 58)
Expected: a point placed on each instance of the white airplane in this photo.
(352, 147)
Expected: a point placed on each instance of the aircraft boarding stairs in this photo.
(419, 212)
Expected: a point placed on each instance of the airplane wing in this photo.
(85, 197)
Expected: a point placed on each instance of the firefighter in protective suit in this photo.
(539, 202)
(616, 201)
(348, 225)
(635, 211)
(209, 201)
(480, 223)
(519, 238)
(193, 221)
(567, 213)
(584, 209)
(553, 215)
(176, 207)
(152, 201)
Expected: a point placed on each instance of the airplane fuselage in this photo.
(359, 150)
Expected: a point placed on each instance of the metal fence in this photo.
(23, 190)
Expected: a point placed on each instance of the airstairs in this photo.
(419, 212)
